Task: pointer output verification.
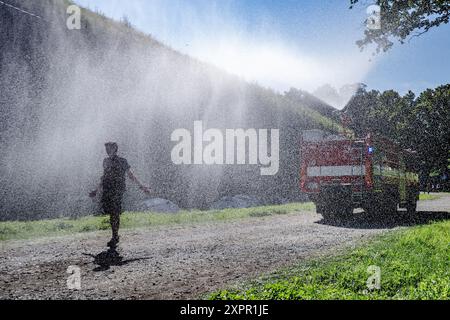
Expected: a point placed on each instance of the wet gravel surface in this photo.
(182, 262)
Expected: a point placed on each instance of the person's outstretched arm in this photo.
(139, 184)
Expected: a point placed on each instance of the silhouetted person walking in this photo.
(113, 185)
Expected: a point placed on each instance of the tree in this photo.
(419, 124)
(430, 132)
(405, 119)
(404, 19)
(359, 108)
(126, 22)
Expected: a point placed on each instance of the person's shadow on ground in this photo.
(106, 259)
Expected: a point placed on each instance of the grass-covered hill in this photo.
(66, 92)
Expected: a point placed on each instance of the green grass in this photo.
(426, 197)
(414, 264)
(59, 227)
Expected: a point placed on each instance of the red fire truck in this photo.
(341, 174)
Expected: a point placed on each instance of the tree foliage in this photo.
(404, 19)
(421, 123)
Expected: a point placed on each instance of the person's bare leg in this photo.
(115, 225)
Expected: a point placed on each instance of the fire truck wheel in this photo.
(336, 212)
(329, 215)
(389, 208)
(411, 207)
(377, 210)
(372, 212)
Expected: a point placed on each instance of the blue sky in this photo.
(287, 43)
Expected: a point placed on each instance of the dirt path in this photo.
(181, 261)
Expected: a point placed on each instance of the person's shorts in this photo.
(112, 203)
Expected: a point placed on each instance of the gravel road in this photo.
(183, 262)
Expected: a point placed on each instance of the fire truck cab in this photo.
(341, 174)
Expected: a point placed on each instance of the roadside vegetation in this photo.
(426, 196)
(414, 264)
(135, 220)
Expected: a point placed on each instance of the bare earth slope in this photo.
(183, 261)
